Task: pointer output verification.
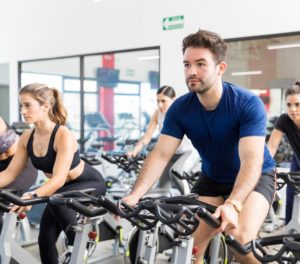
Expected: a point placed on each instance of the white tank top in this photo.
(185, 145)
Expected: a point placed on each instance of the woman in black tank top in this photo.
(289, 124)
(52, 148)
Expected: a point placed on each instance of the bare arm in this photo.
(274, 141)
(18, 162)
(154, 166)
(65, 145)
(147, 136)
(251, 153)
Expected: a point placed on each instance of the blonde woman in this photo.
(53, 149)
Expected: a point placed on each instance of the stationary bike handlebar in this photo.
(84, 195)
(12, 198)
(289, 242)
(208, 217)
(251, 246)
(233, 243)
(178, 212)
(80, 201)
(4, 208)
(124, 162)
(190, 201)
(141, 215)
(169, 213)
(178, 217)
(191, 177)
(292, 178)
(214, 222)
(293, 246)
(91, 159)
(107, 204)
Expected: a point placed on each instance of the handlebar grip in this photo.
(57, 199)
(208, 217)
(242, 249)
(4, 208)
(22, 202)
(11, 190)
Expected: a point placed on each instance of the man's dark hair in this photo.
(209, 40)
(295, 89)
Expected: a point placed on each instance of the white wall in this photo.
(31, 29)
(4, 73)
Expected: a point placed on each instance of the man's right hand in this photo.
(228, 215)
(131, 199)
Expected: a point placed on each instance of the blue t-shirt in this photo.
(215, 134)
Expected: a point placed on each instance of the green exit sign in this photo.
(175, 22)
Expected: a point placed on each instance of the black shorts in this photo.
(208, 187)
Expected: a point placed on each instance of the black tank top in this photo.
(46, 163)
(4, 163)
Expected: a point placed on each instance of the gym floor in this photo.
(103, 253)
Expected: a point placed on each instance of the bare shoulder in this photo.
(155, 116)
(25, 137)
(64, 134)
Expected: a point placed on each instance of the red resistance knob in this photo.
(92, 235)
(21, 216)
(195, 250)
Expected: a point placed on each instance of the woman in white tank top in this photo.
(165, 96)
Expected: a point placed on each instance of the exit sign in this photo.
(175, 22)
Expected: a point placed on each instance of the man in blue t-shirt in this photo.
(226, 124)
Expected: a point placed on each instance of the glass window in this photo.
(117, 96)
(265, 65)
(63, 74)
(126, 85)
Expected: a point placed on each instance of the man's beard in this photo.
(199, 90)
